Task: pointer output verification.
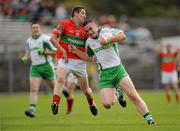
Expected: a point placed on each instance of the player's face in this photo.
(91, 29)
(168, 46)
(81, 16)
(36, 30)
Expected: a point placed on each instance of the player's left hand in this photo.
(41, 51)
(24, 60)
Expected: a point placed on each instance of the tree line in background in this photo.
(132, 8)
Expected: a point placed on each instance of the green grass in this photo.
(12, 118)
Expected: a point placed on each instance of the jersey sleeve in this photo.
(115, 31)
(89, 51)
(48, 45)
(59, 29)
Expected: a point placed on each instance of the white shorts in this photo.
(72, 78)
(169, 77)
(75, 66)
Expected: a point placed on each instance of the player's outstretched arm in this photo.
(55, 42)
(112, 39)
(81, 54)
(25, 58)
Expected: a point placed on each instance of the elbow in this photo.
(123, 37)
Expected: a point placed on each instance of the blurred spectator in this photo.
(33, 7)
(22, 15)
(143, 34)
(130, 36)
(143, 38)
(46, 12)
(129, 31)
(61, 12)
(1, 11)
(112, 21)
(103, 21)
(123, 25)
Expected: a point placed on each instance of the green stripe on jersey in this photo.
(73, 40)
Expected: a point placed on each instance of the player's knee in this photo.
(87, 94)
(34, 89)
(107, 106)
(60, 80)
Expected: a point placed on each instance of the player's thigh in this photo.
(51, 83)
(35, 83)
(107, 95)
(165, 79)
(127, 86)
(62, 74)
(174, 77)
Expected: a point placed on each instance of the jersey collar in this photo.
(36, 37)
(75, 23)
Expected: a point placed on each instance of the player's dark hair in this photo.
(76, 10)
(35, 22)
(87, 22)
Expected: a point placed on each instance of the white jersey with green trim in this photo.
(107, 56)
(33, 45)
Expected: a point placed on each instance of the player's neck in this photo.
(76, 22)
(36, 36)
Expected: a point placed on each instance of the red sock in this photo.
(69, 104)
(168, 98)
(56, 99)
(177, 98)
(90, 101)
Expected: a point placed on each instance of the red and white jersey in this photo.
(71, 33)
(168, 63)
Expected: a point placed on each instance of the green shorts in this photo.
(44, 71)
(110, 77)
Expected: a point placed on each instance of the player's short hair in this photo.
(88, 21)
(35, 22)
(76, 10)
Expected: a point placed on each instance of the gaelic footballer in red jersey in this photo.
(71, 32)
(169, 77)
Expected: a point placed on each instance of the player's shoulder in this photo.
(89, 41)
(104, 29)
(29, 39)
(65, 22)
(44, 36)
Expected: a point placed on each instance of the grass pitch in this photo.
(12, 118)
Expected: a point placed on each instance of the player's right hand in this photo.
(24, 60)
(72, 49)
